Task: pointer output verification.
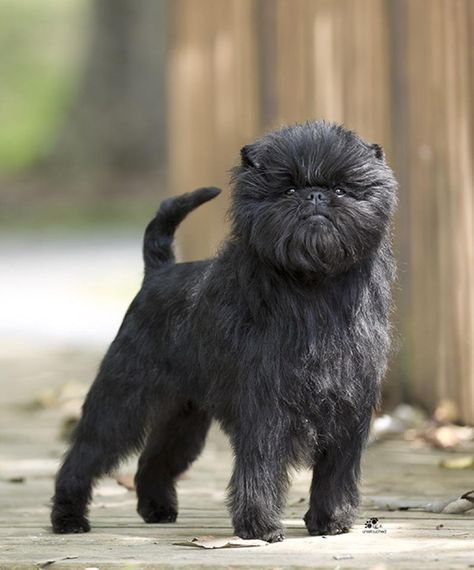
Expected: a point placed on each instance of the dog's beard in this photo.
(285, 207)
(305, 239)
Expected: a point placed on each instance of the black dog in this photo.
(282, 337)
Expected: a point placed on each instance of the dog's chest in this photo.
(295, 346)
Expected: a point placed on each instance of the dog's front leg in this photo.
(258, 485)
(334, 495)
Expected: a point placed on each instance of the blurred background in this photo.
(107, 106)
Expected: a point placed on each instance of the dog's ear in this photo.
(248, 156)
(378, 151)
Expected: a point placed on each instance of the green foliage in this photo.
(39, 44)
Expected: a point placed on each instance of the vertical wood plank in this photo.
(213, 106)
(440, 186)
(400, 72)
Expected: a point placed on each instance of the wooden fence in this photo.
(400, 72)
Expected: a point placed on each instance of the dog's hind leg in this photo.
(113, 424)
(173, 444)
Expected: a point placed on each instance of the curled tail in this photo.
(159, 234)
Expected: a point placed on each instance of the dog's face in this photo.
(312, 198)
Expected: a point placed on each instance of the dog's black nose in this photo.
(316, 196)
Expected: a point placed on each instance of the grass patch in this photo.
(40, 42)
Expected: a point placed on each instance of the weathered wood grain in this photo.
(400, 72)
(29, 448)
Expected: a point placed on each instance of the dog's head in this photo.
(312, 198)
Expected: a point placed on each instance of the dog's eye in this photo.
(290, 192)
(339, 192)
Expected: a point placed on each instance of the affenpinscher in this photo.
(282, 337)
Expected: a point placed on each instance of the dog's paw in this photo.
(153, 514)
(328, 528)
(329, 525)
(269, 535)
(69, 524)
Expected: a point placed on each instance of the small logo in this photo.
(374, 526)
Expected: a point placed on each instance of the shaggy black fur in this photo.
(282, 337)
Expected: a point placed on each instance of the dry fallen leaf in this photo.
(222, 542)
(461, 505)
(297, 502)
(402, 418)
(15, 479)
(444, 437)
(446, 412)
(69, 396)
(454, 506)
(127, 481)
(466, 462)
(68, 425)
(47, 563)
(448, 436)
